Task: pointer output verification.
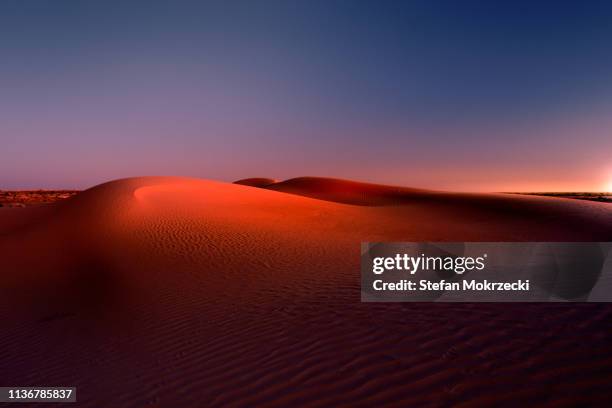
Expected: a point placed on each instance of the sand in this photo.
(256, 181)
(180, 292)
(27, 198)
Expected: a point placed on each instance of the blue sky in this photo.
(471, 95)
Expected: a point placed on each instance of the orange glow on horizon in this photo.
(608, 188)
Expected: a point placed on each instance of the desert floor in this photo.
(175, 292)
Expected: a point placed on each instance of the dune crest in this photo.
(256, 181)
(342, 191)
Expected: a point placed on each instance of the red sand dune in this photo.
(178, 292)
(344, 191)
(256, 182)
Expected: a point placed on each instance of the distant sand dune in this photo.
(256, 182)
(178, 292)
(342, 191)
(503, 217)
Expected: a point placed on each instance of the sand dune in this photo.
(179, 292)
(338, 190)
(256, 182)
(447, 216)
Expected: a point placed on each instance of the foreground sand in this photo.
(180, 292)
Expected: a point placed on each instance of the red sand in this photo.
(180, 292)
(256, 182)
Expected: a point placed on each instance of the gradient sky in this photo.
(470, 95)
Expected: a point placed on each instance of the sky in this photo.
(470, 95)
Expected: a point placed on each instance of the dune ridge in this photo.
(340, 190)
(256, 181)
(177, 292)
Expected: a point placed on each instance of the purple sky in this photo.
(511, 97)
